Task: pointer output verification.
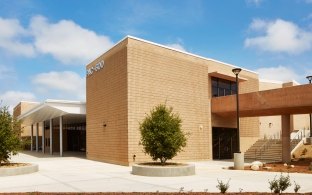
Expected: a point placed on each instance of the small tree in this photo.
(10, 142)
(279, 185)
(223, 187)
(161, 134)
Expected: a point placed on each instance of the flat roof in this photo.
(177, 50)
(51, 109)
(278, 82)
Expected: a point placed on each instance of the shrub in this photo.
(279, 185)
(223, 187)
(304, 152)
(10, 132)
(161, 134)
(297, 187)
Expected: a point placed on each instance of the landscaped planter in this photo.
(163, 171)
(19, 170)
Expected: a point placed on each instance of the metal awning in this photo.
(226, 77)
(50, 109)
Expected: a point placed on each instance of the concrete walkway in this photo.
(73, 174)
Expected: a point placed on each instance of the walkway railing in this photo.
(273, 139)
(296, 138)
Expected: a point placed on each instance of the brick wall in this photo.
(158, 75)
(107, 104)
(21, 108)
(139, 75)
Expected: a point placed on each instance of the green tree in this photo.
(10, 131)
(161, 134)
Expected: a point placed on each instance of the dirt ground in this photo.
(299, 166)
(149, 193)
(12, 165)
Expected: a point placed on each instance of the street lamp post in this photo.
(236, 71)
(238, 156)
(310, 81)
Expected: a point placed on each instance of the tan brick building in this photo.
(136, 76)
(270, 126)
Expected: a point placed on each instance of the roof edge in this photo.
(46, 102)
(270, 81)
(185, 52)
(278, 82)
(23, 101)
(64, 101)
(171, 48)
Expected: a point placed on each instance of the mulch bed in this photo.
(167, 164)
(12, 165)
(300, 166)
(149, 193)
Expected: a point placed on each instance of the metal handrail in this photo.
(297, 137)
(271, 140)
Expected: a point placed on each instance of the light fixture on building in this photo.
(236, 71)
(310, 81)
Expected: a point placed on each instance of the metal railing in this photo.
(273, 139)
(297, 137)
(302, 133)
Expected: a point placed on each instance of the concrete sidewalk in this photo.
(73, 174)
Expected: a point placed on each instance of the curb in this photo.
(31, 168)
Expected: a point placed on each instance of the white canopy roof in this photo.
(50, 109)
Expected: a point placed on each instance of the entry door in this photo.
(224, 142)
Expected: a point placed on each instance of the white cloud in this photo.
(308, 1)
(279, 36)
(61, 85)
(254, 2)
(279, 73)
(12, 36)
(12, 98)
(66, 41)
(258, 25)
(176, 46)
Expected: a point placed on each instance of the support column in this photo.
(37, 138)
(43, 137)
(61, 136)
(286, 138)
(31, 137)
(51, 137)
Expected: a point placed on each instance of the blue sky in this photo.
(45, 45)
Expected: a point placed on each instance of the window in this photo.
(222, 87)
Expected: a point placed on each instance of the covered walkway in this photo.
(62, 125)
(282, 101)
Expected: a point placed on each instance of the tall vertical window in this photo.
(222, 87)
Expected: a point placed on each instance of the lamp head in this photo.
(309, 78)
(236, 71)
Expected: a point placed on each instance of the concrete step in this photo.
(272, 152)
